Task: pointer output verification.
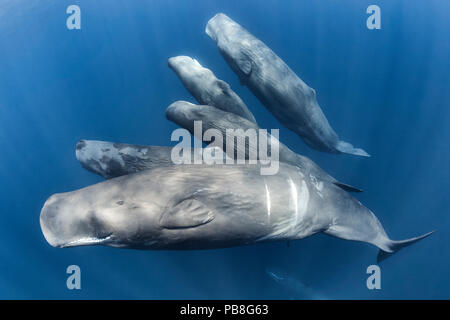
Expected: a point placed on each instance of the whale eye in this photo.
(120, 202)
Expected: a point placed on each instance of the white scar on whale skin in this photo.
(294, 199)
(300, 199)
(133, 152)
(304, 199)
(103, 150)
(268, 201)
(290, 227)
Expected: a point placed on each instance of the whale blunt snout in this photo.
(61, 225)
(185, 67)
(173, 62)
(178, 111)
(50, 223)
(214, 24)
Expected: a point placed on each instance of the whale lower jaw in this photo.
(88, 241)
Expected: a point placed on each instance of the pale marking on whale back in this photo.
(102, 150)
(290, 227)
(135, 153)
(267, 199)
(294, 199)
(303, 196)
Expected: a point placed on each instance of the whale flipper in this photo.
(188, 213)
(244, 65)
(394, 246)
(347, 187)
(345, 147)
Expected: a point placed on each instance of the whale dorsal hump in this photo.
(188, 213)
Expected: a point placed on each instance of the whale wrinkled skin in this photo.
(279, 89)
(185, 113)
(207, 207)
(203, 85)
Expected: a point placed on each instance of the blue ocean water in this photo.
(387, 91)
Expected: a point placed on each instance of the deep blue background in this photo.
(387, 91)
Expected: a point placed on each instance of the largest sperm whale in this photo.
(280, 90)
(207, 207)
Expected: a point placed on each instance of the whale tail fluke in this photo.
(345, 147)
(393, 246)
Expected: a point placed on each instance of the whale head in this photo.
(112, 160)
(100, 157)
(221, 27)
(185, 113)
(98, 215)
(188, 69)
(234, 43)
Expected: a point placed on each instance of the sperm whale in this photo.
(208, 207)
(279, 89)
(185, 113)
(203, 85)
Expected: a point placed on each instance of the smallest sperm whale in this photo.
(279, 89)
(203, 85)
